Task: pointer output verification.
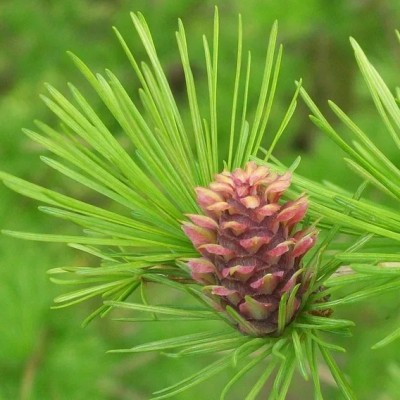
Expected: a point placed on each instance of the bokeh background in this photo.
(44, 353)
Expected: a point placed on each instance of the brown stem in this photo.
(31, 366)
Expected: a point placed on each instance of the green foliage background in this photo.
(45, 354)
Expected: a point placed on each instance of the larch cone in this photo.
(251, 249)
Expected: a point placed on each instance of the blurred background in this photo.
(44, 353)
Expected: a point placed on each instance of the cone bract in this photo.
(250, 248)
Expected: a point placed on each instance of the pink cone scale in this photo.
(251, 248)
